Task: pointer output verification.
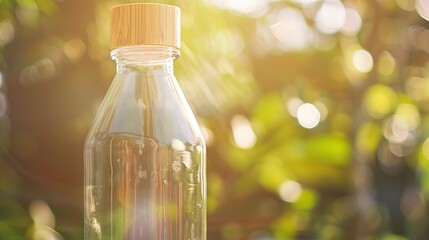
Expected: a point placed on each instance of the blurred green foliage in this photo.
(315, 114)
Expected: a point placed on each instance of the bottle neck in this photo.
(145, 57)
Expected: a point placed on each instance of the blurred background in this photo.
(315, 114)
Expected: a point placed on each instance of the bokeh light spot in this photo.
(352, 23)
(399, 150)
(74, 49)
(411, 115)
(417, 88)
(290, 191)
(395, 129)
(401, 127)
(422, 7)
(46, 68)
(293, 105)
(291, 30)
(379, 100)
(41, 70)
(419, 36)
(308, 115)
(244, 136)
(330, 17)
(362, 60)
(7, 32)
(386, 64)
(27, 13)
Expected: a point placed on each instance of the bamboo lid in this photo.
(145, 24)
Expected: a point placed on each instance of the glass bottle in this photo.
(144, 156)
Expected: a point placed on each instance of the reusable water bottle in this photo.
(144, 157)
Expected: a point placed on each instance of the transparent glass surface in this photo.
(144, 155)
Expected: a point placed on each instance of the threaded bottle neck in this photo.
(144, 57)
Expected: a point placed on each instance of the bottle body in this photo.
(145, 156)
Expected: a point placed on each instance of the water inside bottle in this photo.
(143, 189)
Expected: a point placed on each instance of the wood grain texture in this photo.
(144, 24)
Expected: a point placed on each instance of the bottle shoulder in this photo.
(151, 105)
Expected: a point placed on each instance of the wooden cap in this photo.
(145, 24)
